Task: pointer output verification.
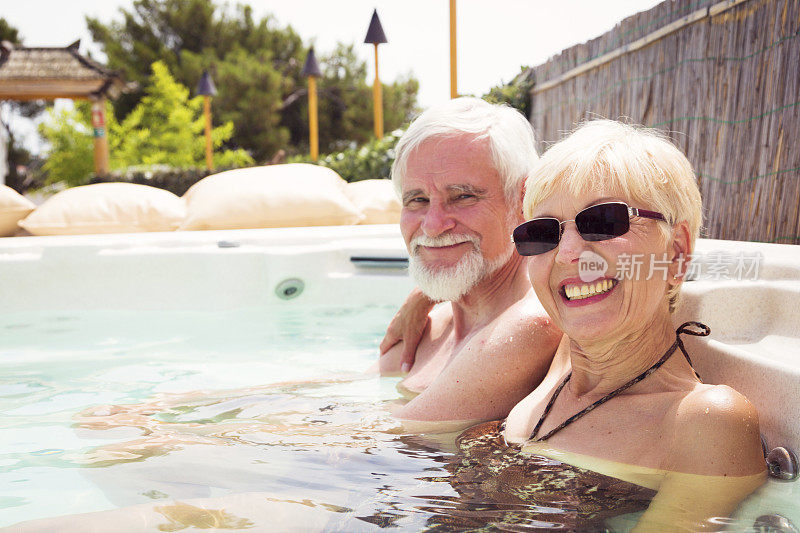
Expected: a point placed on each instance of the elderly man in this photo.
(460, 171)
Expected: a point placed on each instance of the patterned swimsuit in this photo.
(502, 488)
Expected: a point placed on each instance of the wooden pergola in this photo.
(48, 73)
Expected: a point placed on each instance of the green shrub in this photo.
(175, 180)
(165, 128)
(373, 160)
(516, 93)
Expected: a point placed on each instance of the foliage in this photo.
(8, 32)
(249, 96)
(370, 161)
(16, 154)
(175, 180)
(165, 128)
(70, 157)
(256, 66)
(516, 93)
(345, 108)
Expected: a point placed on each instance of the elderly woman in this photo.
(613, 213)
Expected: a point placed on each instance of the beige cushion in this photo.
(107, 208)
(13, 208)
(274, 196)
(376, 199)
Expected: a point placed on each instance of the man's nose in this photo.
(571, 244)
(437, 220)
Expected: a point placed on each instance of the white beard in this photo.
(450, 284)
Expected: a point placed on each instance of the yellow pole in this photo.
(207, 113)
(313, 128)
(100, 136)
(377, 99)
(453, 64)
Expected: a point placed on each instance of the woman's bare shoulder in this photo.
(715, 432)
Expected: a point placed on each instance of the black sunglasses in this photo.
(596, 223)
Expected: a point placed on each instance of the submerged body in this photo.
(480, 376)
(580, 492)
(459, 170)
(605, 195)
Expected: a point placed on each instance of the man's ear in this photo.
(680, 252)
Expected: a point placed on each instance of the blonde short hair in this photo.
(510, 137)
(639, 162)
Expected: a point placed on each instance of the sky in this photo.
(495, 38)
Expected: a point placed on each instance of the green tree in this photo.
(253, 63)
(166, 127)
(70, 155)
(516, 93)
(249, 96)
(17, 155)
(345, 102)
(8, 32)
(257, 69)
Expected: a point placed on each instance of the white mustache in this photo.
(447, 239)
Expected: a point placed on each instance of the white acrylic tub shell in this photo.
(754, 346)
(203, 270)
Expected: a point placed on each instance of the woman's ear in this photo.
(522, 202)
(680, 253)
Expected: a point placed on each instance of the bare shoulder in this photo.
(716, 433)
(522, 418)
(494, 370)
(389, 363)
(527, 328)
(520, 345)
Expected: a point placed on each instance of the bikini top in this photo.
(684, 328)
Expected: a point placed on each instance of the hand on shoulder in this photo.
(407, 328)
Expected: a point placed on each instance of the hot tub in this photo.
(147, 368)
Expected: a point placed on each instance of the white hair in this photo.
(639, 162)
(510, 136)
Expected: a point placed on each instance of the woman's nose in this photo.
(437, 221)
(571, 244)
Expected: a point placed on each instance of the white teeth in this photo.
(579, 292)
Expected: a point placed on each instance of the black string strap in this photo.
(684, 328)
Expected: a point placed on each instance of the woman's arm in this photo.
(715, 461)
(687, 502)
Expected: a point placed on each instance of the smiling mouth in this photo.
(579, 291)
(434, 247)
(442, 246)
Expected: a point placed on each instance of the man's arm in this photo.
(405, 330)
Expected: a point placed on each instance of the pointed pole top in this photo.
(311, 68)
(205, 86)
(375, 33)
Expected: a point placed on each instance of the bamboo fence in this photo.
(722, 78)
